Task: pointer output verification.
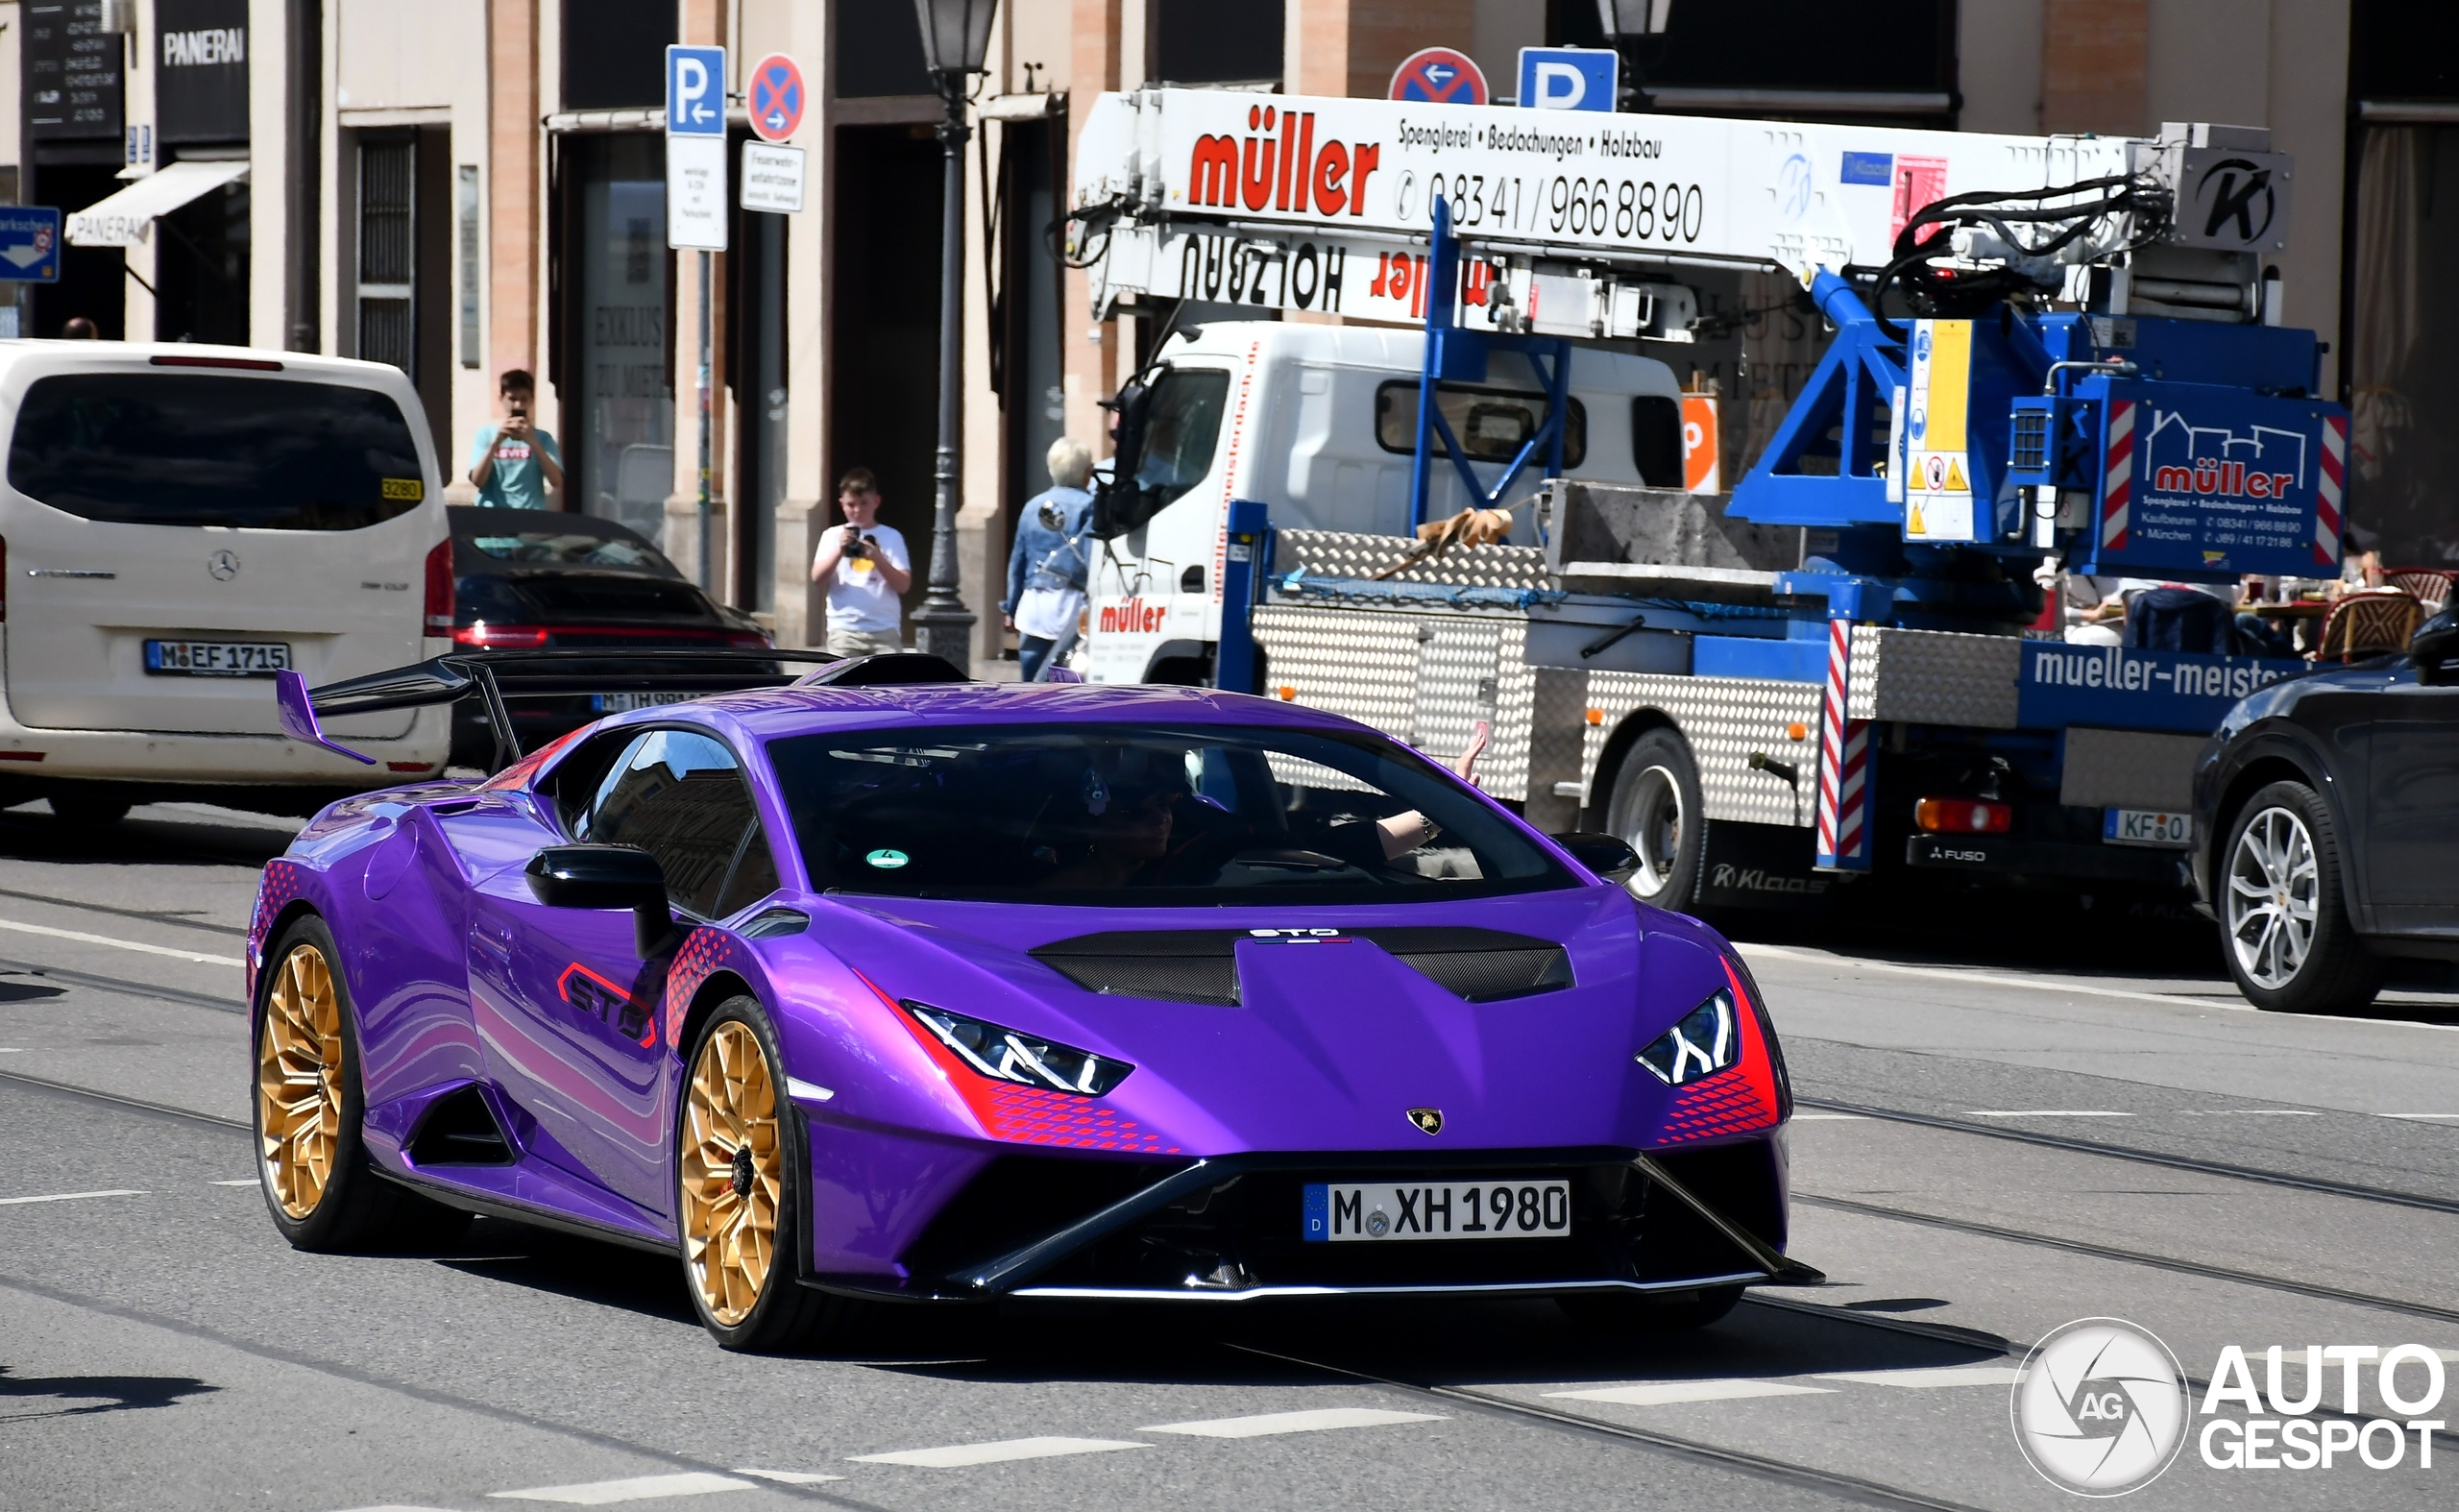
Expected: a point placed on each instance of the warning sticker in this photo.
(1937, 472)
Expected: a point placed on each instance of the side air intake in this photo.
(461, 1129)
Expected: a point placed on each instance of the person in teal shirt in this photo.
(515, 463)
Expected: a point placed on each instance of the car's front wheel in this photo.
(2283, 920)
(322, 1188)
(738, 1170)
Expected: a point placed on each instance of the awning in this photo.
(126, 219)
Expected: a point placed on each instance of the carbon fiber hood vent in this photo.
(1200, 965)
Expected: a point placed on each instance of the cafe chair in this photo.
(2375, 622)
(2431, 585)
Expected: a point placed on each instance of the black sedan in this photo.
(2327, 827)
(524, 579)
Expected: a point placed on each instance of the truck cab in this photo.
(1318, 422)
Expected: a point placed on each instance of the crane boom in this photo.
(1575, 223)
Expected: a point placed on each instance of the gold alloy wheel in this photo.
(733, 1173)
(298, 1081)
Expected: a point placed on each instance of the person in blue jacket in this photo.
(1047, 565)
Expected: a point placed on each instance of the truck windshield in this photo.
(1125, 816)
(1182, 431)
(208, 448)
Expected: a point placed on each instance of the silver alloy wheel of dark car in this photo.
(2273, 881)
(2284, 924)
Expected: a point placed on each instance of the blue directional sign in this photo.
(1569, 78)
(29, 244)
(695, 91)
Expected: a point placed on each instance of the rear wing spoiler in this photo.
(496, 677)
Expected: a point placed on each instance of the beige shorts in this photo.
(863, 643)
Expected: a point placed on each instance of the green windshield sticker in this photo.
(888, 860)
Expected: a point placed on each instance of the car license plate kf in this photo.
(216, 658)
(1338, 1214)
(2147, 827)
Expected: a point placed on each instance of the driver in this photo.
(1128, 802)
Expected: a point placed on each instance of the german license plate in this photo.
(1337, 1213)
(627, 702)
(2147, 827)
(216, 658)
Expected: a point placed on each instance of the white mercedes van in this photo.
(178, 524)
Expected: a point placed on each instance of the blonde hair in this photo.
(1070, 462)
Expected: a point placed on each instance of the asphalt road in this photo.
(1992, 1142)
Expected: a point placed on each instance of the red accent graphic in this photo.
(1736, 1100)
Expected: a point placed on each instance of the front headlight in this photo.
(1707, 1041)
(1004, 1054)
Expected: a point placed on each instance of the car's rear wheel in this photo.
(738, 1171)
(319, 1184)
(2283, 920)
(1655, 808)
(90, 810)
(1649, 1312)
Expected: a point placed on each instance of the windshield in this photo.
(550, 547)
(1123, 815)
(199, 448)
(1180, 432)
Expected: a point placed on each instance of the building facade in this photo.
(467, 187)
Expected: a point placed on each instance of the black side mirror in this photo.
(1608, 856)
(1118, 500)
(2435, 650)
(604, 877)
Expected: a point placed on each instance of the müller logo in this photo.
(1282, 172)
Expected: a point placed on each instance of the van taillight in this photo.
(439, 589)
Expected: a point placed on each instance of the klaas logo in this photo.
(1262, 171)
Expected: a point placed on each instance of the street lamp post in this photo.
(955, 36)
(1636, 30)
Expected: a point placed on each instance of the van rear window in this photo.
(1492, 424)
(202, 448)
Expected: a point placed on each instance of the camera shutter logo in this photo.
(2100, 1408)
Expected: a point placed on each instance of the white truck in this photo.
(1820, 674)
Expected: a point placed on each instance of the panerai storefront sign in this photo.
(201, 95)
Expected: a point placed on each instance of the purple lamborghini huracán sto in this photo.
(879, 983)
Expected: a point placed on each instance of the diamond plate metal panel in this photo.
(1362, 666)
(1725, 720)
(1349, 553)
(1934, 677)
(1504, 772)
(2128, 768)
(1455, 683)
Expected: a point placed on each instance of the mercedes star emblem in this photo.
(224, 565)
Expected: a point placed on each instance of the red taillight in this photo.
(439, 589)
(251, 364)
(503, 636)
(744, 641)
(1963, 816)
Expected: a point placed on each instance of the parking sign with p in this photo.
(695, 91)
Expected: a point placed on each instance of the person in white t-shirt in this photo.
(865, 567)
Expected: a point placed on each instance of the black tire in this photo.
(1655, 808)
(786, 1314)
(88, 810)
(356, 1209)
(2279, 886)
(1627, 1312)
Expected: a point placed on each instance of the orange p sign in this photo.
(1700, 470)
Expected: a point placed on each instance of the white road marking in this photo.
(117, 943)
(2216, 999)
(2045, 1112)
(787, 1477)
(955, 1455)
(70, 1197)
(1266, 1424)
(1832, 1118)
(1667, 1393)
(10, 1050)
(245, 1181)
(1945, 1376)
(640, 1488)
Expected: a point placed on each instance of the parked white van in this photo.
(179, 522)
(1319, 423)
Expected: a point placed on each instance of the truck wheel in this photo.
(1655, 807)
(2284, 918)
